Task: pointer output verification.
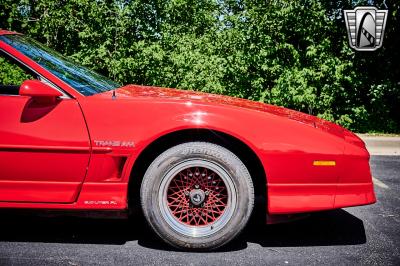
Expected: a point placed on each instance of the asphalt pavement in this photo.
(367, 235)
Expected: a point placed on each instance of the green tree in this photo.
(289, 53)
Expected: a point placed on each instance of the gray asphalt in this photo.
(368, 235)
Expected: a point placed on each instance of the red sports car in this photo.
(196, 163)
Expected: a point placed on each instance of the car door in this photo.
(44, 145)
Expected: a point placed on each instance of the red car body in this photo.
(78, 153)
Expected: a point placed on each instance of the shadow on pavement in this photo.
(330, 228)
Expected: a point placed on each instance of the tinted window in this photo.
(78, 77)
(11, 76)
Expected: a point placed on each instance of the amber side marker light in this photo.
(324, 163)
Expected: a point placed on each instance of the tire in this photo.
(197, 195)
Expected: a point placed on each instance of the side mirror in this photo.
(36, 88)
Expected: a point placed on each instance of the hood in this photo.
(137, 91)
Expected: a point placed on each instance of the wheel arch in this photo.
(235, 145)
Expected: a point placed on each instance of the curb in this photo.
(382, 145)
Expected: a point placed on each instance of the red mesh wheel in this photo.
(197, 196)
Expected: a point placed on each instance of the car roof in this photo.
(4, 32)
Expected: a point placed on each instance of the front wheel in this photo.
(197, 195)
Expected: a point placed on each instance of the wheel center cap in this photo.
(197, 196)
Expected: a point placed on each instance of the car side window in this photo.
(12, 75)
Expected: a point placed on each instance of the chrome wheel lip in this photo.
(204, 230)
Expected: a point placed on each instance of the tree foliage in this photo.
(290, 53)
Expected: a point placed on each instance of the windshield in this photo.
(80, 78)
